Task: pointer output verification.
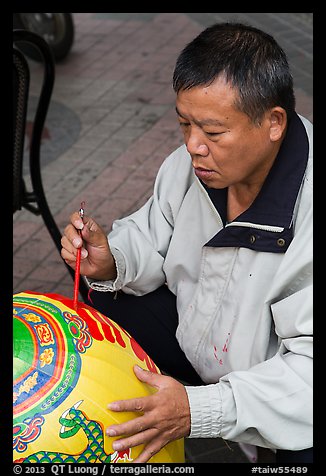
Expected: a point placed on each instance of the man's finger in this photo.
(135, 440)
(131, 405)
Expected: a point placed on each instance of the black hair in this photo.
(249, 59)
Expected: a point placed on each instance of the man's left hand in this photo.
(163, 416)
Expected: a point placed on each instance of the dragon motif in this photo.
(73, 420)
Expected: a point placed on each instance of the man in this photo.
(213, 275)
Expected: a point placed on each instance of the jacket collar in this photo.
(273, 209)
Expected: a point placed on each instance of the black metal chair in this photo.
(35, 201)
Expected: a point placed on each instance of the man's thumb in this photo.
(92, 233)
(146, 376)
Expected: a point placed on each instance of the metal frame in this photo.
(34, 201)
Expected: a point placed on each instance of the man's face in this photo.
(225, 146)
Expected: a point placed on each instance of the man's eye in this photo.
(213, 133)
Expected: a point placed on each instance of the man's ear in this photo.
(278, 123)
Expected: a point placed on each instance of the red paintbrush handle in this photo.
(77, 274)
(77, 270)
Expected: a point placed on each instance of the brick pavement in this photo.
(112, 122)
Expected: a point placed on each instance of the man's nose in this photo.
(196, 145)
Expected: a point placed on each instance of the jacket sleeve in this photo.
(270, 404)
(139, 242)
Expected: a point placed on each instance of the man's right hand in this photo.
(97, 261)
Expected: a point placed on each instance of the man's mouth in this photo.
(203, 174)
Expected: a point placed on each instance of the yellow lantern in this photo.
(68, 366)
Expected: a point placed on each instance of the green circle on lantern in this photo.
(23, 348)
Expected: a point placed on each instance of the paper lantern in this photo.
(68, 366)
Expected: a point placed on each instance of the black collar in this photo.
(274, 205)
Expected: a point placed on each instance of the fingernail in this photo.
(117, 446)
(110, 432)
(140, 368)
(84, 253)
(77, 242)
(79, 224)
(113, 406)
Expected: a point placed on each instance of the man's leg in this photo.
(152, 321)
